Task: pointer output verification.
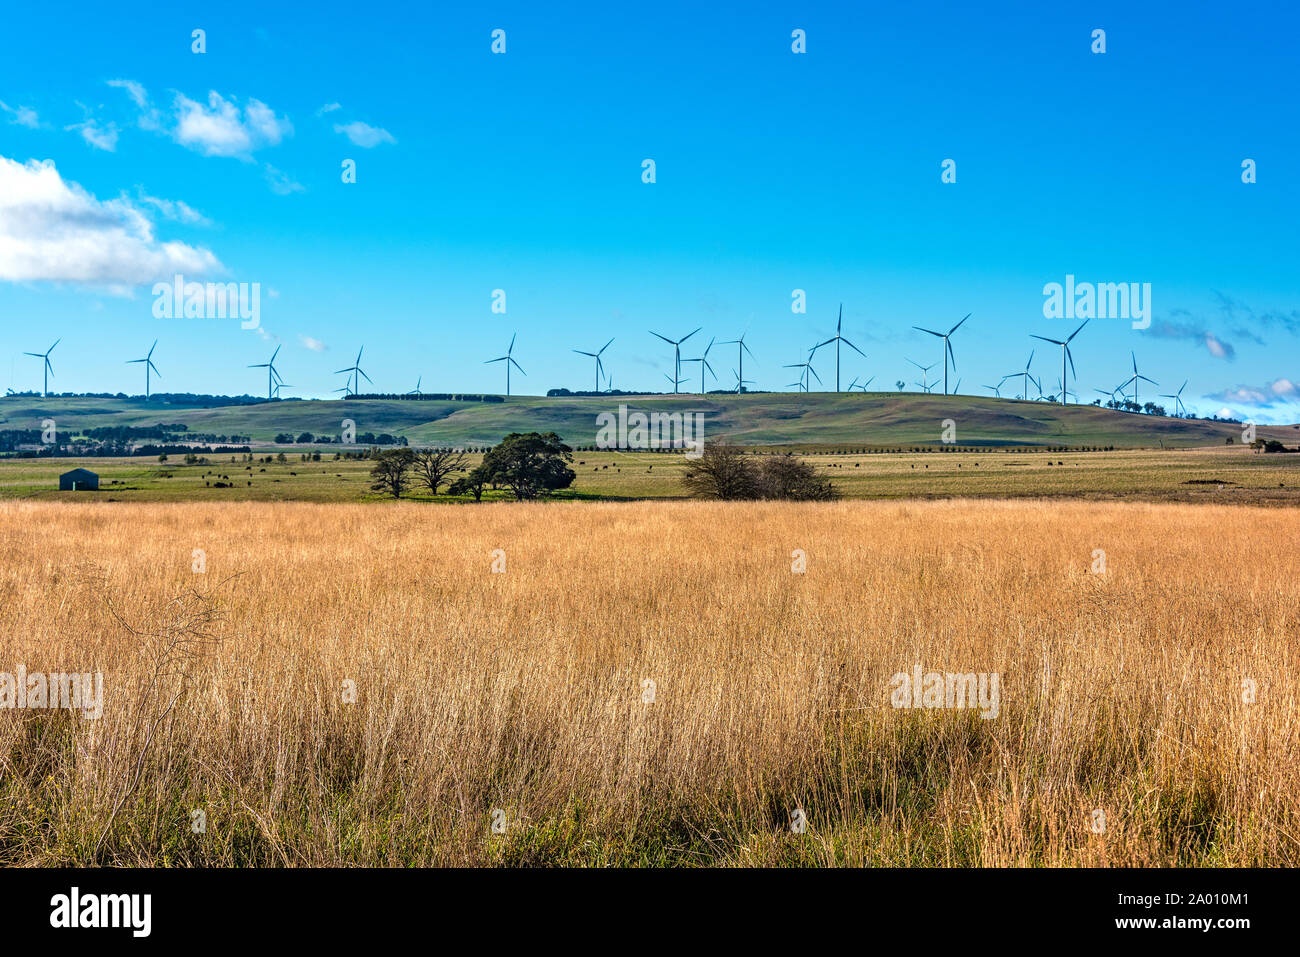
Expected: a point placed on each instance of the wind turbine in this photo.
(416, 390)
(677, 355)
(863, 387)
(837, 339)
(509, 360)
(281, 385)
(1133, 381)
(704, 364)
(925, 384)
(271, 375)
(947, 348)
(355, 368)
(596, 355)
(1065, 354)
(1178, 399)
(807, 368)
(741, 349)
(148, 364)
(741, 383)
(1024, 373)
(996, 389)
(49, 369)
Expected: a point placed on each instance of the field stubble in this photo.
(523, 690)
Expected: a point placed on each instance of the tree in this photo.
(722, 472)
(530, 464)
(471, 484)
(791, 478)
(389, 473)
(434, 466)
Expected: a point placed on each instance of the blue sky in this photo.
(775, 171)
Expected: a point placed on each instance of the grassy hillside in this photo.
(873, 419)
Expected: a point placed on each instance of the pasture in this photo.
(652, 683)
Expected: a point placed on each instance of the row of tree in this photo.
(535, 464)
(528, 464)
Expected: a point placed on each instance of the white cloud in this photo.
(281, 182)
(328, 108)
(22, 115)
(315, 345)
(100, 137)
(1278, 391)
(54, 230)
(363, 134)
(1217, 348)
(150, 117)
(1226, 413)
(175, 209)
(219, 129)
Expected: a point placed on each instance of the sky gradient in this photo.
(775, 171)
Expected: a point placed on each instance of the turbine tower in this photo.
(509, 360)
(1024, 373)
(741, 349)
(49, 369)
(1133, 381)
(837, 339)
(704, 364)
(596, 355)
(1065, 354)
(807, 368)
(677, 355)
(1178, 399)
(272, 376)
(355, 369)
(416, 390)
(947, 348)
(925, 383)
(148, 364)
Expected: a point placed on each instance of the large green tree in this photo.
(529, 464)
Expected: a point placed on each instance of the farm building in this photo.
(78, 480)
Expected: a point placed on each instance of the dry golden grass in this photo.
(523, 691)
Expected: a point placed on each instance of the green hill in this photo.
(872, 419)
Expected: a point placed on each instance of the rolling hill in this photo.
(872, 419)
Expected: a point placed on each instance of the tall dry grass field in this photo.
(523, 691)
